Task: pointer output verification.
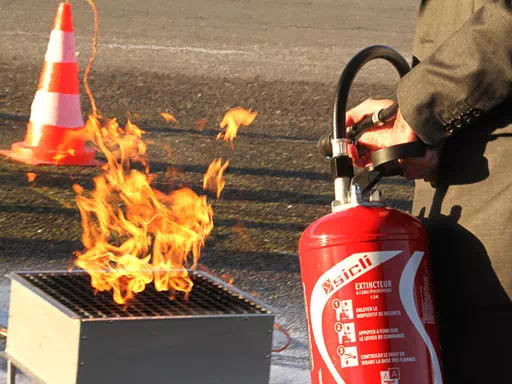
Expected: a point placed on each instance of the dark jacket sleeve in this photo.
(469, 74)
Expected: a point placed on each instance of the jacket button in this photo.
(475, 113)
(457, 123)
(466, 117)
(448, 128)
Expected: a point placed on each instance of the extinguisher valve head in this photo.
(340, 147)
(355, 194)
(349, 194)
(342, 190)
(342, 166)
(375, 195)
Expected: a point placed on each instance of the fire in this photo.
(168, 117)
(168, 149)
(213, 179)
(227, 278)
(133, 234)
(31, 176)
(78, 189)
(201, 123)
(233, 119)
(240, 229)
(173, 173)
(59, 157)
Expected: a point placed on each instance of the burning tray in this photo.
(61, 332)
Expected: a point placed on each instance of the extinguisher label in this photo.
(390, 376)
(356, 309)
(328, 284)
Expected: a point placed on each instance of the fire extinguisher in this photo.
(365, 267)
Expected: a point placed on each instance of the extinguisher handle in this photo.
(386, 160)
(385, 164)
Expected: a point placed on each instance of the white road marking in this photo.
(168, 48)
(177, 49)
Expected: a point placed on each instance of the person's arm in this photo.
(469, 74)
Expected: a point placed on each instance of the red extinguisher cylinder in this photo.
(369, 298)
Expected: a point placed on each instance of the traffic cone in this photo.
(54, 131)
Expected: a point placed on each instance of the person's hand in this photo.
(369, 140)
(394, 132)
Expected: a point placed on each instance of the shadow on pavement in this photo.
(38, 209)
(251, 261)
(40, 248)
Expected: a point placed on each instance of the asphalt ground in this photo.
(276, 183)
(271, 39)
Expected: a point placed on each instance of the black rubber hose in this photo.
(389, 112)
(348, 75)
(367, 123)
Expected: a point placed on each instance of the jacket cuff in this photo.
(421, 108)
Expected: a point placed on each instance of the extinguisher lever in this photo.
(366, 179)
(385, 163)
(386, 160)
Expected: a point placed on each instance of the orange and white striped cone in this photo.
(53, 132)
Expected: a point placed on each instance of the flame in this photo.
(58, 157)
(70, 139)
(133, 234)
(227, 278)
(168, 117)
(173, 173)
(239, 228)
(31, 176)
(78, 189)
(201, 123)
(168, 149)
(233, 119)
(213, 179)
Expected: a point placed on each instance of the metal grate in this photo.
(73, 290)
